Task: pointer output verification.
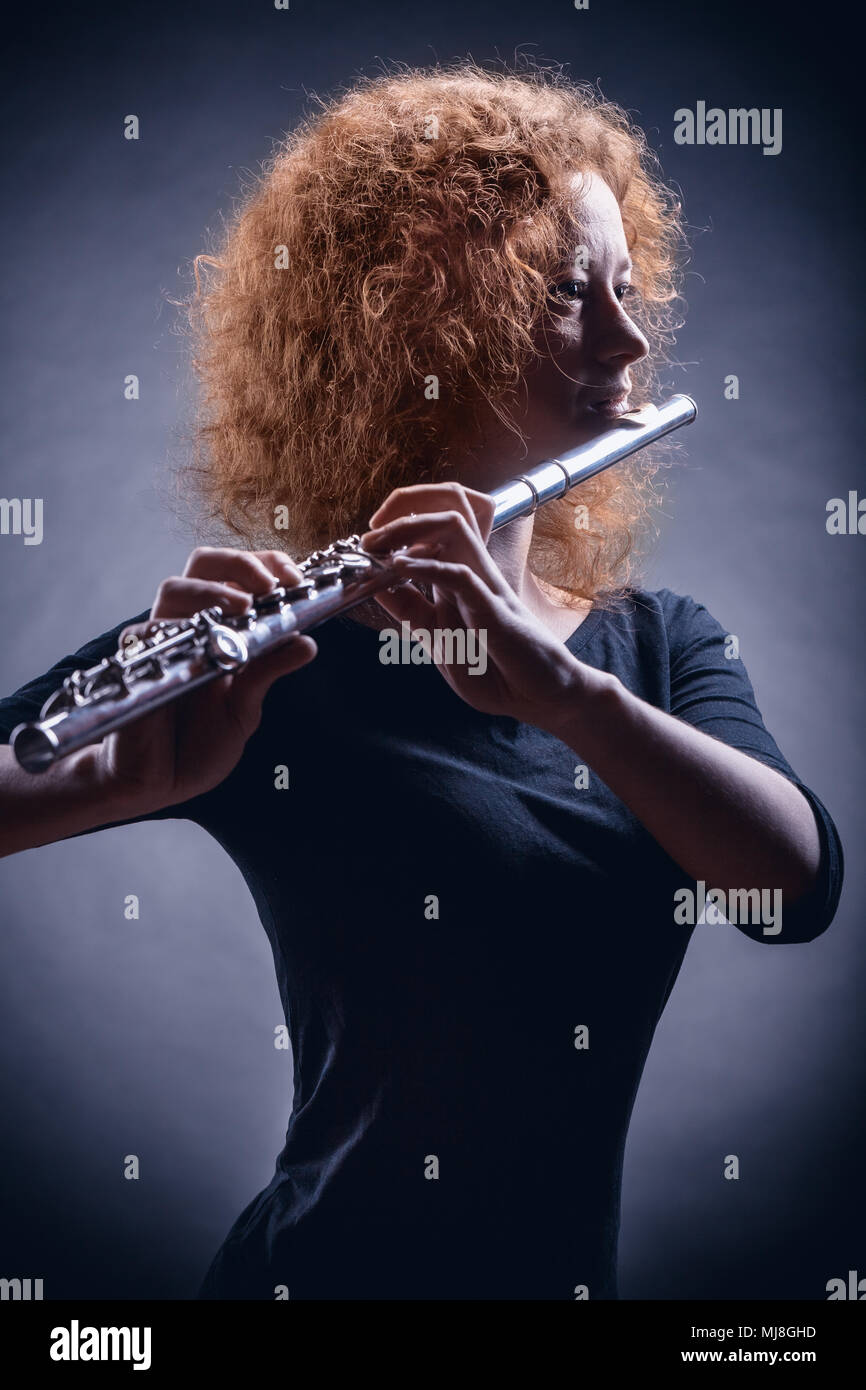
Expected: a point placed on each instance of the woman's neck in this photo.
(555, 608)
(509, 549)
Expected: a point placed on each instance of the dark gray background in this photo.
(155, 1037)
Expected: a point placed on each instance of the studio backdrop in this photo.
(154, 1035)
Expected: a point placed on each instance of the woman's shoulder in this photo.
(675, 617)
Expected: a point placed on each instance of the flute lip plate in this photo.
(641, 415)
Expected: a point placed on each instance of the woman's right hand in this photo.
(192, 743)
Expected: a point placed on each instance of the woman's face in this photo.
(588, 344)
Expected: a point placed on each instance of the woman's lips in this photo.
(610, 409)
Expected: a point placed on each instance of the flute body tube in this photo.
(178, 655)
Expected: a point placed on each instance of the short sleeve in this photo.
(710, 688)
(26, 703)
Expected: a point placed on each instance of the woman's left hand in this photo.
(528, 673)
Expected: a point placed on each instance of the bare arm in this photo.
(70, 797)
(179, 751)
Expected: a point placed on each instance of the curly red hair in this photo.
(340, 287)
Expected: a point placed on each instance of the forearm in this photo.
(64, 800)
(721, 815)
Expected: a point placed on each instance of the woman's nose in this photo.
(614, 337)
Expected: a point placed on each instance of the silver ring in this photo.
(532, 488)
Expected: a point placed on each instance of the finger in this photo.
(430, 526)
(407, 605)
(449, 531)
(241, 566)
(477, 507)
(251, 685)
(180, 597)
(459, 581)
(281, 565)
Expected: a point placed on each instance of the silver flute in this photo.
(177, 655)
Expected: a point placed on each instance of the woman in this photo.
(474, 885)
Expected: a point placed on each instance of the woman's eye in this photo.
(575, 290)
(569, 289)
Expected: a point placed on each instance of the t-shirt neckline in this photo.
(584, 630)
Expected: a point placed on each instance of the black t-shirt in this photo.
(473, 949)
